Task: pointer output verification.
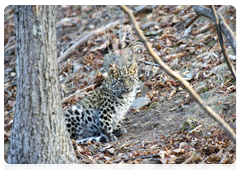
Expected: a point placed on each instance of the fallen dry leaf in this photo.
(168, 159)
(216, 47)
(194, 156)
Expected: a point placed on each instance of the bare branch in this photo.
(220, 38)
(75, 46)
(209, 111)
(78, 91)
(206, 12)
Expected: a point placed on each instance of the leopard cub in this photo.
(99, 115)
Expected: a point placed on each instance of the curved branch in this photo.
(227, 31)
(77, 92)
(206, 108)
(220, 38)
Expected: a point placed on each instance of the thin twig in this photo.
(150, 63)
(191, 20)
(220, 38)
(78, 91)
(121, 25)
(138, 157)
(10, 94)
(76, 45)
(196, 128)
(175, 75)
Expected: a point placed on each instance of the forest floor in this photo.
(172, 128)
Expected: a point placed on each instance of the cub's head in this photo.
(124, 79)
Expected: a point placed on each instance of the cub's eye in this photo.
(120, 80)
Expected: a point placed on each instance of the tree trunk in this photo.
(39, 132)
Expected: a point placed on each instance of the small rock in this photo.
(232, 57)
(156, 124)
(111, 150)
(100, 162)
(189, 124)
(13, 74)
(140, 102)
(61, 78)
(124, 156)
(92, 148)
(91, 26)
(178, 150)
(102, 149)
(183, 145)
(187, 76)
(140, 7)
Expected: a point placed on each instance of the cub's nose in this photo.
(128, 89)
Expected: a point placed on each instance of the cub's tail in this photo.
(102, 138)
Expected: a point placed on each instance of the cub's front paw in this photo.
(120, 131)
(112, 138)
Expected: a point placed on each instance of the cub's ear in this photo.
(133, 68)
(114, 72)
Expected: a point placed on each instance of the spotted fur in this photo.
(99, 115)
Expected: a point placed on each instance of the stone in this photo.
(189, 124)
(13, 74)
(140, 102)
(156, 124)
(103, 150)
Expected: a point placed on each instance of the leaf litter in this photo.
(155, 133)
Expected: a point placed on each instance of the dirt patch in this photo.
(161, 119)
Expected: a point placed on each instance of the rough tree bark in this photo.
(39, 133)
